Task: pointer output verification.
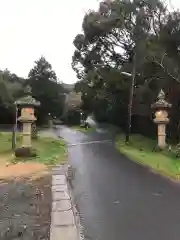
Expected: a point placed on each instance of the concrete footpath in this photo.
(63, 220)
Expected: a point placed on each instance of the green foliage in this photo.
(11, 87)
(48, 151)
(46, 89)
(34, 131)
(141, 151)
(177, 151)
(120, 35)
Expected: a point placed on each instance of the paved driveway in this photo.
(118, 199)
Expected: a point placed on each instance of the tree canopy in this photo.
(45, 88)
(113, 37)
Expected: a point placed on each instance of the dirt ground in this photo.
(25, 202)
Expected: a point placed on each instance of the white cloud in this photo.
(31, 28)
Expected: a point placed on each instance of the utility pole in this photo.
(131, 95)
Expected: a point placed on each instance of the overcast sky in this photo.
(31, 28)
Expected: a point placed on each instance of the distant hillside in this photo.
(68, 87)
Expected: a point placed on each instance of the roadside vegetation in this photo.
(144, 151)
(49, 151)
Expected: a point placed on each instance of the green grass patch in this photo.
(82, 129)
(49, 151)
(144, 151)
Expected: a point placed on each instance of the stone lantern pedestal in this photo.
(50, 121)
(27, 104)
(161, 107)
(27, 118)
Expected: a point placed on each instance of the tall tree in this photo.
(46, 88)
(111, 37)
(11, 88)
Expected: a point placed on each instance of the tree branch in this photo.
(166, 71)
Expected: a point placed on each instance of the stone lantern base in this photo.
(26, 132)
(26, 142)
(26, 149)
(162, 135)
(50, 123)
(161, 131)
(25, 152)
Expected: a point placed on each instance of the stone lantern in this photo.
(27, 105)
(161, 107)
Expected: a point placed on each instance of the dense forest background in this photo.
(45, 86)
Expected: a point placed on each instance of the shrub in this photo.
(34, 131)
(85, 125)
(25, 152)
(157, 149)
(177, 153)
(129, 143)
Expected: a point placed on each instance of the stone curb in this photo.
(63, 220)
(78, 224)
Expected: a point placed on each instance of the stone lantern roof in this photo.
(161, 103)
(27, 100)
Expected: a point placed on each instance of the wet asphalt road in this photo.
(118, 199)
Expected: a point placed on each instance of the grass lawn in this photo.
(142, 150)
(49, 151)
(81, 129)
